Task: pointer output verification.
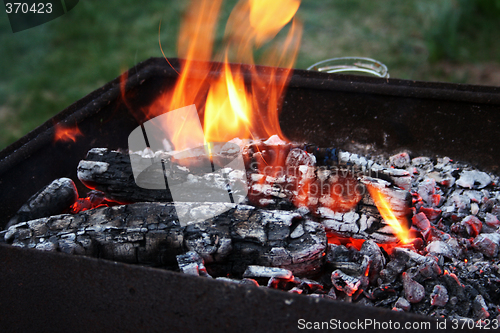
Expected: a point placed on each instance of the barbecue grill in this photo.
(329, 110)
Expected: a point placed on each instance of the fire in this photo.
(387, 214)
(228, 109)
(62, 133)
(234, 101)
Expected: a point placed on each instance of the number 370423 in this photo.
(35, 8)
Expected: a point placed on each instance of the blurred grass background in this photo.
(46, 68)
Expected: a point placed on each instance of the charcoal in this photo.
(456, 291)
(349, 267)
(479, 308)
(244, 281)
(372, 250)
(444, 179)
(472, 225)
(387, 302)
(440, 248)
(110, 172)
(474, 208)
(338, 253)
(414, 291)
(420, 221)
(53, 199)
(282, 242)
(427, 191)
(433, 214)
(430, 269)
(491, 220)
(192, 264)
(403, 304)
(423, 161)
(439, 296)
(401, 160)
(249, 282)
(295, 290)
(332, 294)
(346, 283)
(457, 204)
(297, 232)
(474, 179)
(487, 244)
(46, 246)
(408, 257)
(392, 270)
(310, 286)
(382, 292)
(281, 283)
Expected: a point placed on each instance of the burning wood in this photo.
(455, 263)
(149, 233)
(330, 194)
(341, 219)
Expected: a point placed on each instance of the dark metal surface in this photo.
(61, 293)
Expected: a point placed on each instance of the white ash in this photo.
(254, 271)
(474, 179)
(85, 167)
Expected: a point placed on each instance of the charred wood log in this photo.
(53, 199)
(111, 172)
(333, 196)
(149, 233)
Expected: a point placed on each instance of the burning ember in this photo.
(385, 210)
(63, 133)
(405, 234)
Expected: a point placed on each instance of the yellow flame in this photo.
(268, 17)
(238, 101)
(387, 214)
(227, 110)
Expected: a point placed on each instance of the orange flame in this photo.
(387, 214)
(233, 101)
(62, 133)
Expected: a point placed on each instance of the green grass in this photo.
(47, 68)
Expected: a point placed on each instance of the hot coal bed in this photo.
(309, 223)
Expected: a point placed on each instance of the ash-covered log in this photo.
(111, 172)
(53, 199)
(150, 233)
(334, 195)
